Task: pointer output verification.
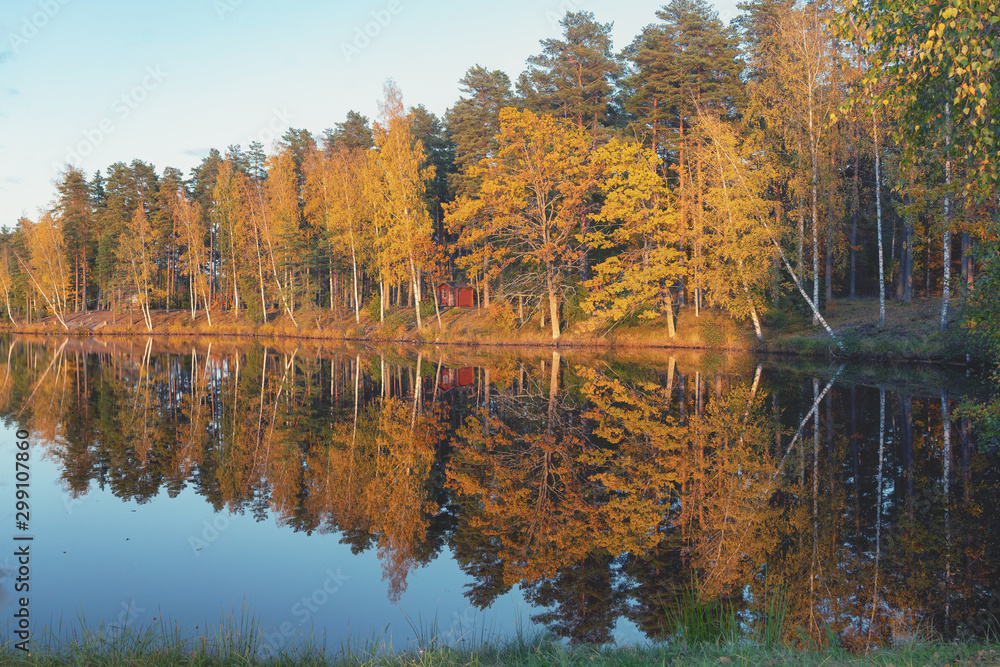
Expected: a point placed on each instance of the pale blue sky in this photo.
(97, 81)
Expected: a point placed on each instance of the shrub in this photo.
(711, 333)
(373, 307)
(503, 313)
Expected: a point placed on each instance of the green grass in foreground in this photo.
(157, 647)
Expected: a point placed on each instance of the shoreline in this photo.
(914, 341)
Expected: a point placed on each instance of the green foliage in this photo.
(373, 307)
(573, 76)
(427, 309)
(689, 58)
(935, 65)
(981, 319)
(712, 333)
(251, 299)
(694, 621)
(573, 310)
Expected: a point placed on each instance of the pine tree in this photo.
(354, 133)
(574, 77)
(474, 122)
(76, 218)
(688, 60)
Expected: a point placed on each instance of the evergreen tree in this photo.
(757, 28)
(76, 219)
(688, 60)
(299, 143)
(354, 133)
(203, 177)
(574, 77)
(474, 122)
(440, 153)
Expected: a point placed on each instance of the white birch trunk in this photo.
(878, 222)
(946, 283)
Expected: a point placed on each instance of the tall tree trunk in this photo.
(854, 215)
(550, 280)
(486, 283)
(699, 232)
(800, 261)
(967, 279)
(354, 277)
(84, 284)
(946, 282)
(814, 187)
(828, 269)
(671, 327)
(415, 277)
(878, 222)
(437, 307)
(906, 268)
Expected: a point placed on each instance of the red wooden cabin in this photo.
(457, 377)
(450, 295)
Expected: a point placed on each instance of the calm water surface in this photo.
(351, 492)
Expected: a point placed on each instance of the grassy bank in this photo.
(151, 648)
(912, 331)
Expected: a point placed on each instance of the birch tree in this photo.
(189, 219)
(532, 195)
(135, 252)
(801, 97)
(638, 221)
(333, 194)
(46, 264)
(402, 176)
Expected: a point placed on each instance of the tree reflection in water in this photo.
(606, 489)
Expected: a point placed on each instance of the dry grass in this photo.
(911, 332)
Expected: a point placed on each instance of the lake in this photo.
(346, 493)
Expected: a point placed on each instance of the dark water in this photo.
(356, 492)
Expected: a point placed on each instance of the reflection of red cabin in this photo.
(453, 295)
(457, 377)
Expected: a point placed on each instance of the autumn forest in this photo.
(803, 154)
